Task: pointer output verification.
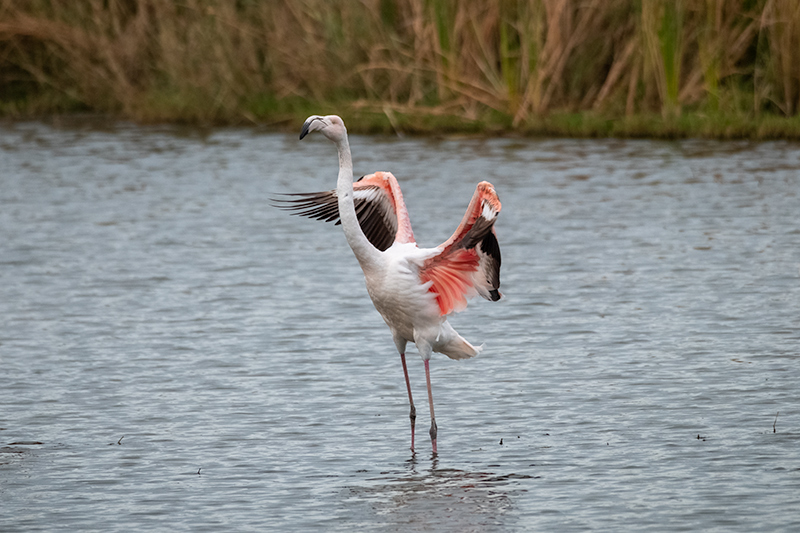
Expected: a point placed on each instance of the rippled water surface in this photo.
(174, 352)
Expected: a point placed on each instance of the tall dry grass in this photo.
(223, 60)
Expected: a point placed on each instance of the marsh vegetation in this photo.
(724, 68)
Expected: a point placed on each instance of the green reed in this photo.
(502, 64)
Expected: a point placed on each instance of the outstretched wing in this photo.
(469, 261)
(379, 205)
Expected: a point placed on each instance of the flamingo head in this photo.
(331, 127)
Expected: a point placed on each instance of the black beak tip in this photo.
(307, 125)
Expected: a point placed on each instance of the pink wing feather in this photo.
(386, 182)
(469, 261)
(380, 209)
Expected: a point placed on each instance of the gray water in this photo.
(174, 352)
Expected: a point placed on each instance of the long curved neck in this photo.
(365, 252)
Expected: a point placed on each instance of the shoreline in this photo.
(584, 125)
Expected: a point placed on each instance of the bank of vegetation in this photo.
(719, 68)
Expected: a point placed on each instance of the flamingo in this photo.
(414, 289)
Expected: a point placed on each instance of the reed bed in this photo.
(580, 66)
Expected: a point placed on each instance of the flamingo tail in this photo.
(457, 347)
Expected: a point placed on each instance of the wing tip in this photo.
(489, 197)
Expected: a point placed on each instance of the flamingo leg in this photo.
(413, 414)
(430, 402)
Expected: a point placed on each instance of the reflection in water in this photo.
(449, 499)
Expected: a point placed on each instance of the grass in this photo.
(631, 68)
(577, 124)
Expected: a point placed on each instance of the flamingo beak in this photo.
(307, 126)
(304, 131)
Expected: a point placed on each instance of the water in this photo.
(176, 353)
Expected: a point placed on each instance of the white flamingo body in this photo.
(406, 304)
(414, 289)
(409, 308)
